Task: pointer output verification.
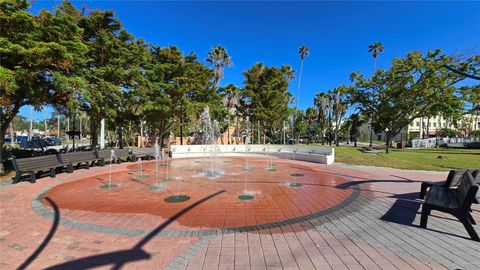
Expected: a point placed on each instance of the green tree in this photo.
(34, 51)
(320, 101)
(180, 88)
(231, 95)
(265, 96)
(412, 88)
(310, 115)
(356, 120)
(218, 58)
(338, 107)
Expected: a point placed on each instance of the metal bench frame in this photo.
(455, 201)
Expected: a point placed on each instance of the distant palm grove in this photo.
(85, 63)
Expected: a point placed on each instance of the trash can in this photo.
(400, 145)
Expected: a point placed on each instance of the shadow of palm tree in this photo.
(53, 229)
(119, 258)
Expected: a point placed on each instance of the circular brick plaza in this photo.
(248, 194)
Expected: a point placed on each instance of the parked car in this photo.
(54, 141)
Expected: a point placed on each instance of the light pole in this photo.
(387, 138)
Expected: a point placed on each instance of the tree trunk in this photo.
(120, 136)
(264, 135)
(3, 131)
(428, 127)
(2, 142)
(237, 131)
(228, 128)
(181, 130)
(371, 130)
(93, 132)
(388, 142)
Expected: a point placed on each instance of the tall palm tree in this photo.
(304, 52)
(218, 58)
(376, 48)
(321, 103)
(310, 114)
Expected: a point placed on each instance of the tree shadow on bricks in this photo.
(119, 258)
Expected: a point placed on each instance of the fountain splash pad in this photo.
(143, 204)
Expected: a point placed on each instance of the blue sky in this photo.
(337, 33)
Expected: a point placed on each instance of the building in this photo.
(427, 128)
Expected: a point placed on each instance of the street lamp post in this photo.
(387, 139)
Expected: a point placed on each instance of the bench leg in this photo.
(53, 173)
(17, 178)
(470, 218)
(423, 189)
(471, 231)
(70, 168)
(424, 218)
(33, 178)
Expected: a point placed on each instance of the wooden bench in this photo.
(455, 201)
(123, 153)
(453, 179)
(105, 155)
(34, 165)
(77, 158)
(148, 153)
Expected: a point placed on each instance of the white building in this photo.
(427, 127)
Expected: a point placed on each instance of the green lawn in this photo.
(424, 159)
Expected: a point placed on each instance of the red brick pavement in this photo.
(343, 239)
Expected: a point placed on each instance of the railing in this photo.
(433, 142)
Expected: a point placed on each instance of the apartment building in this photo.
(428, 127)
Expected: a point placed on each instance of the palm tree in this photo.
(376, 48)
(310, 115)
(219, 59)
(304, 52)
(231, 93)
(321, 104)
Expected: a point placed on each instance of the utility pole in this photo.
(73, 124)
(58, 126)
(31, 124)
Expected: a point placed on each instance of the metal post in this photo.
(58, 126)
(31, 125)
(73, 124)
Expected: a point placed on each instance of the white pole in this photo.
(102, 134)
(58, 126)
(31, 124)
